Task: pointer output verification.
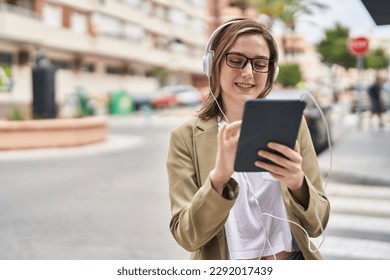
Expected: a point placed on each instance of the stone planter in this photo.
(51, 133)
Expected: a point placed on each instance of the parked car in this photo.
(185, 95)
(143, 101)
(315, 122)
(164, 100)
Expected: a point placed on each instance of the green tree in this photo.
(376, 59)
(289, 75)
(333, 48)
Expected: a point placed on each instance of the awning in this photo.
(379, 10)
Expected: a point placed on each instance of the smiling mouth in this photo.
(244, 86)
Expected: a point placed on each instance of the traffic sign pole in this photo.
(359, 47)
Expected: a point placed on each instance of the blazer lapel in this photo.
(205, 144)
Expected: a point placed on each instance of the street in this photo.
(103, 203)
(110, 201)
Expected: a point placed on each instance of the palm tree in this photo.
(242, 4)
(287, 11)
(271, 8)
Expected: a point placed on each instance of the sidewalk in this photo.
(360, 155)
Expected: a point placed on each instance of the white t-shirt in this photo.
(247, 230)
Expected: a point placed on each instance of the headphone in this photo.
(209, 53)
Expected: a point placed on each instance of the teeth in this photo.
(244, 85)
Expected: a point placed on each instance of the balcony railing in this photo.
(28, 27)
(21, 11)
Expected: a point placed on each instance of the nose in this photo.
(247, 71)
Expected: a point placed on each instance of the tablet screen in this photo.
(266, 120)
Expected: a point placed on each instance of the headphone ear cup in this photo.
(208, 62)
(276, 73)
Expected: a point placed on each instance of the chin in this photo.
(248, 96)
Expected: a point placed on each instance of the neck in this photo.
(234, 113)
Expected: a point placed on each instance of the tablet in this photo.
(266, 120)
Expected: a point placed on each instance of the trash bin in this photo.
(85, 105)
(121, 103)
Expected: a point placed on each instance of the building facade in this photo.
(101, 45)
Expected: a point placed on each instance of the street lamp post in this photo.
(43, 82)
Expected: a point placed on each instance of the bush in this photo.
(289, 75)
(15, 115)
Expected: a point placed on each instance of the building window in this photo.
(52, 15)
(5, 58)
(147, 7)
(134, 3)
(5, 72)
(160, 12)
(178, 17)
(198, 3)
(134, 33)
(90, 67)
(79, 23)
(26, 4)
(61, 64)
(114, 70)
(107, 25)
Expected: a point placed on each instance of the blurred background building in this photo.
(103, 45)
(137, 46)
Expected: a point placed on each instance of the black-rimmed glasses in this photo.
(239, 61)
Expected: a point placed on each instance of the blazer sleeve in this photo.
(315, 218)
(198, 212)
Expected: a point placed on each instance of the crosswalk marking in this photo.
(359, 224)
(349, 248)
(364, 223)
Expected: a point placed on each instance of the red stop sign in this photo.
(358, 46)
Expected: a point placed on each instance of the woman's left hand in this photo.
(289, 170)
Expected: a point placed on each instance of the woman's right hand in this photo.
(227, 140)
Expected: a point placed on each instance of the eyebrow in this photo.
(258, 56)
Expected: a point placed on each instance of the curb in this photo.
(113, 143)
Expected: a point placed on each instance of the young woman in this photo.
(221, 214)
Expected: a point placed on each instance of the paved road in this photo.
(106, 201)
(110, 201)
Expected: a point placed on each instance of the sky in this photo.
(350, 13)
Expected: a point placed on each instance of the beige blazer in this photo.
(199, 213)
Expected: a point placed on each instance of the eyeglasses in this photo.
(239, 61)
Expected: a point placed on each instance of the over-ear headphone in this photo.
(276, 73)
(209, 53)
